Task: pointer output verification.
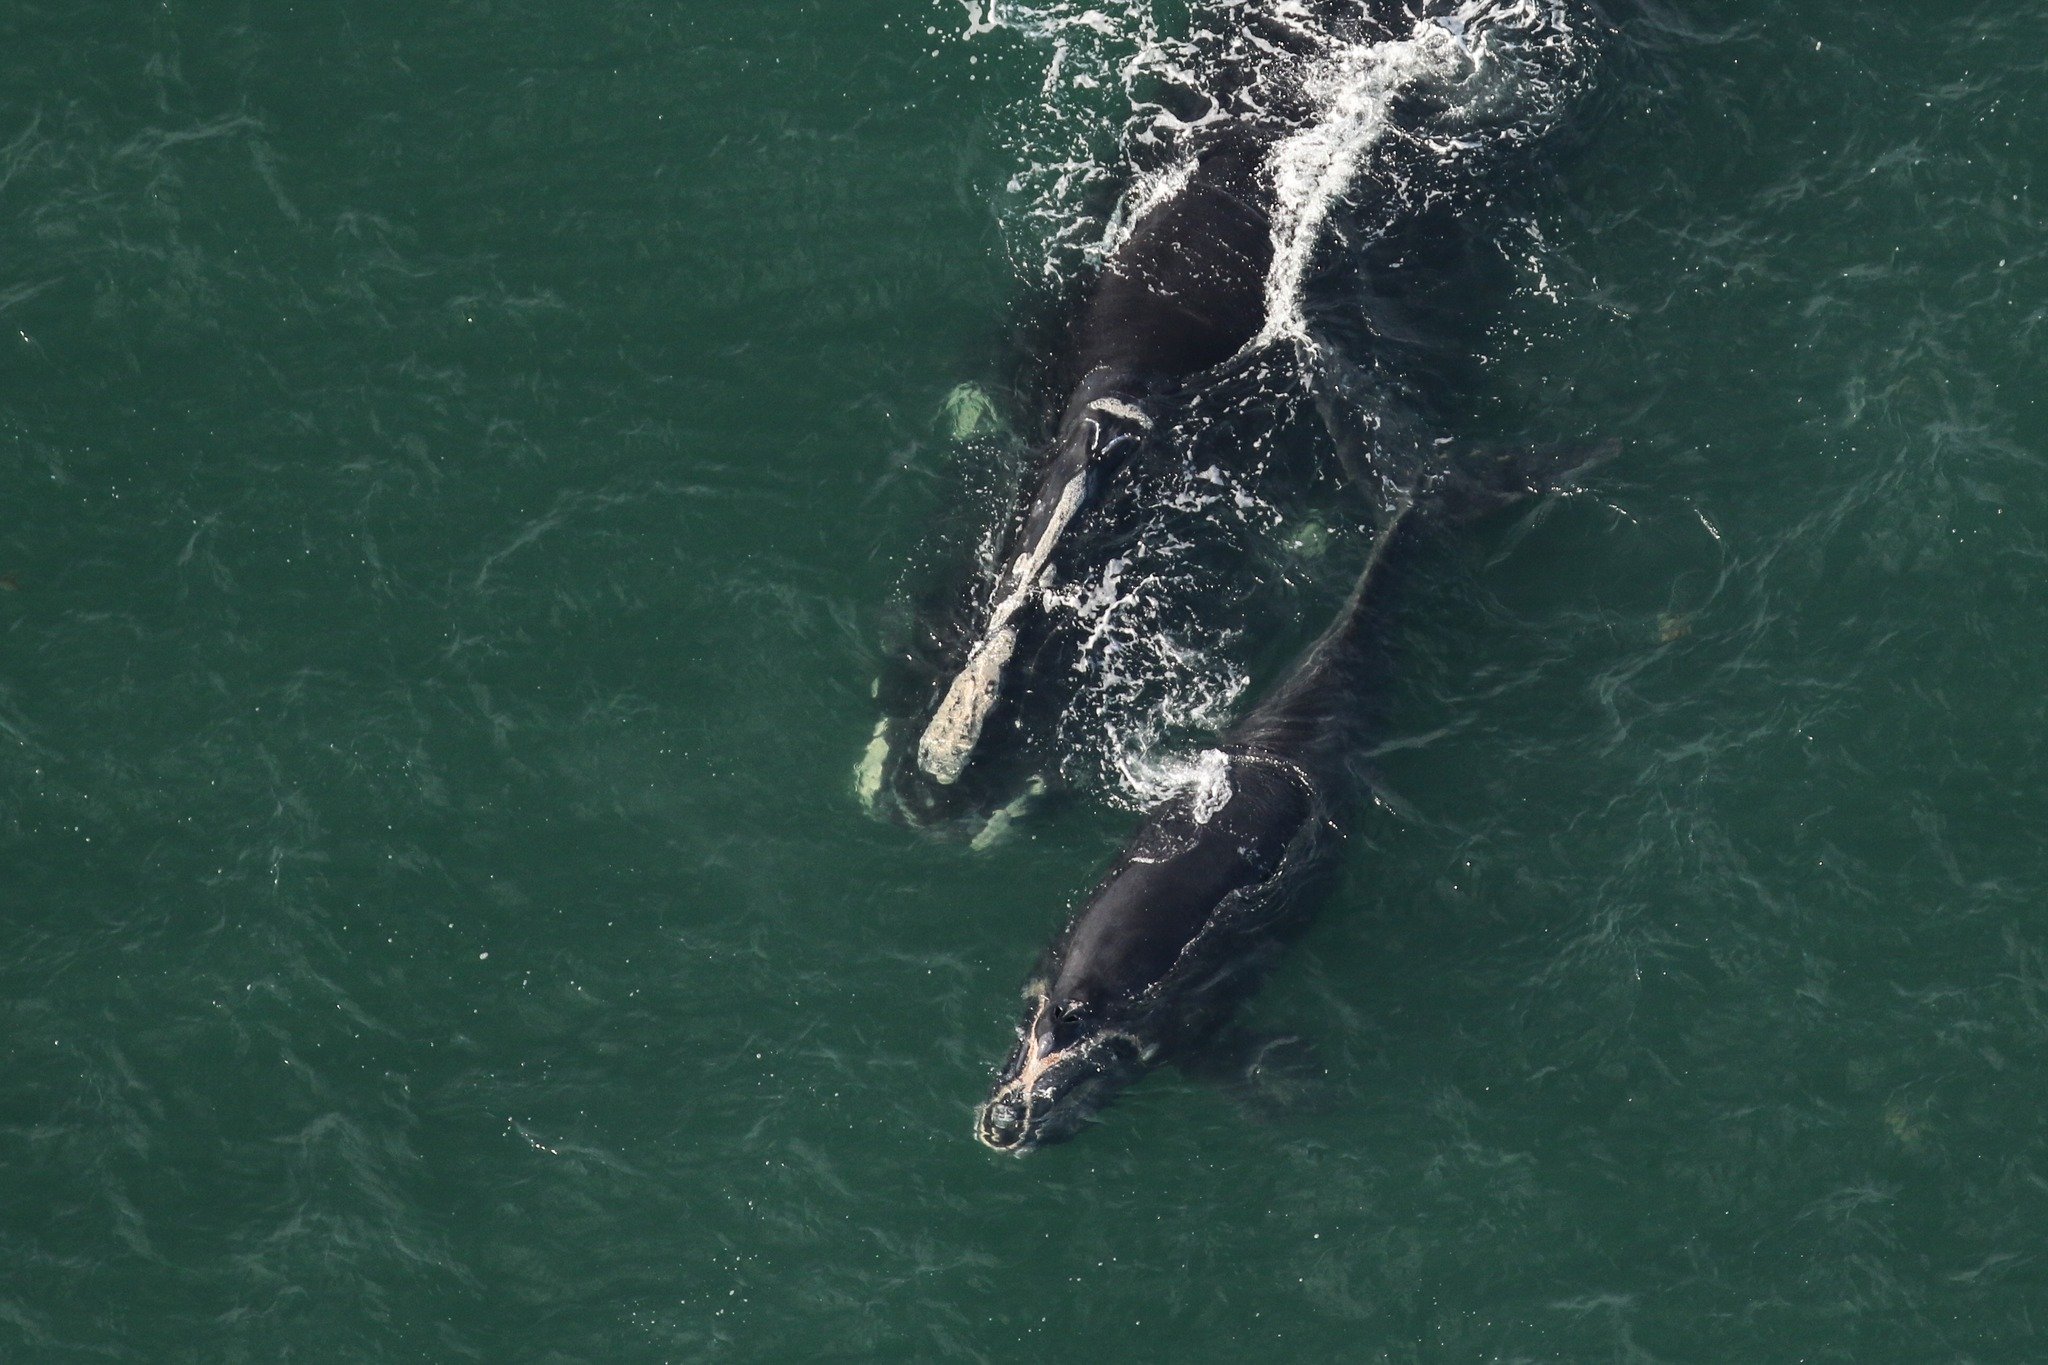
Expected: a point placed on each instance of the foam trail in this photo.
(1356, 90)
(1475, 57)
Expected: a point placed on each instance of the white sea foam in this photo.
(1503, 61)
(1069, 140)
(1473, 61)
(1356, 90)
(1147, 194)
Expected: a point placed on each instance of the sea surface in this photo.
(459, 465)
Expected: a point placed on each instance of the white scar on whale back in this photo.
(955, 727)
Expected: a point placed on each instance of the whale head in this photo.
(1070, 1060)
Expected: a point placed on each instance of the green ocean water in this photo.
(456, 465)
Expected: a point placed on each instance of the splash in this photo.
(1092, 164)
(1356, 91)
(1204, 777)
(1155, 661)
(1105, 64)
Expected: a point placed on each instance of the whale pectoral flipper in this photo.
(1101, 431)
(955, 728)
(1267, 1074)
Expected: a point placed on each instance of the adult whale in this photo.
(1189, 914)
(1183, 292)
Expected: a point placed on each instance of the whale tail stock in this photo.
(1318, 709)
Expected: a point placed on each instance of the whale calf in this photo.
(1191, 911)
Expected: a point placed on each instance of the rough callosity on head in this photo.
(1117, 407)
(1152, 958)
(1047, 1088)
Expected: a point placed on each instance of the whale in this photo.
(1182, 293)
(1189, 915)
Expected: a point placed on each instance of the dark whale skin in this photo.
(1208, 889)
(1188, 915)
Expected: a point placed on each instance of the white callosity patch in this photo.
(1117, 407)
(1028, 1091)
(955, 727)
(1022, 1091)
(1036, 1059)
